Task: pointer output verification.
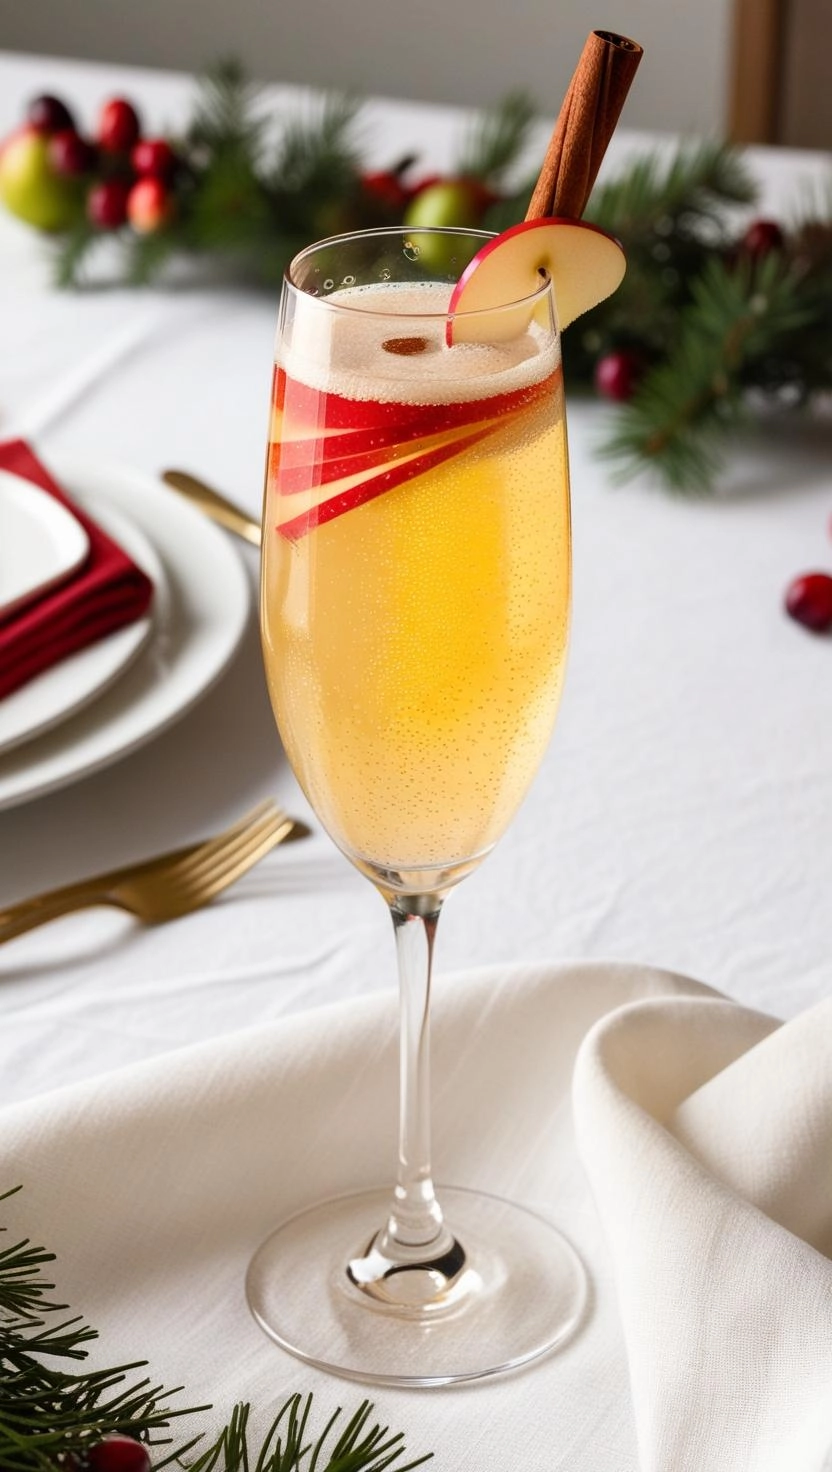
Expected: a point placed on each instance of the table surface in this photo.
(681, 815)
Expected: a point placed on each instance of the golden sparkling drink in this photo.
(416, 584)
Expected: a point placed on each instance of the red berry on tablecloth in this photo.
(150, 205)
(617, 374)
(118, 126)
(809, 601)
(761, 238)
(107, 204)
(49, 115)
(71, 154)
(118, 1454)
(153, 158)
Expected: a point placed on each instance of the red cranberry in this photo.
(49, 114)
(118, 126)
(107, 204)
(809, 601)
(617, 374)
(762, 237)
(385, 190)
(118, 1454)
(71, 154)
(150, 205)
(153, 158)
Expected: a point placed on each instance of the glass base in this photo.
(513, 1291)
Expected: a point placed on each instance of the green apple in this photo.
(30, 187)
(445, 204)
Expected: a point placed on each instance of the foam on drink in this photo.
(343, 352)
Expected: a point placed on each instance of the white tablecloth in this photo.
(680, 819)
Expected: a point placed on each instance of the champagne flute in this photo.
(415, 604)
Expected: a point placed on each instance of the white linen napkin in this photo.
(706, 1131)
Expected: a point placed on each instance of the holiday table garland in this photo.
(715, 320)
(59, 1419)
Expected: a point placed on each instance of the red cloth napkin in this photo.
(106, 592)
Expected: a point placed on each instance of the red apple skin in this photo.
(153, 158)
(118, 126)
(375, 485)
(29, 185)
(385, 444)
(150, 205)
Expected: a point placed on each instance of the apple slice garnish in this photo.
(321, 503)
(353, 428)
(585, 265)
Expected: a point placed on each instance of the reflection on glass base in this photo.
(512, 1293)
(424, 888)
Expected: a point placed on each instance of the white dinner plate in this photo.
(195, 632)
(62, 690)
(41, 542)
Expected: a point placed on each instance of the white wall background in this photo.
(466, 51)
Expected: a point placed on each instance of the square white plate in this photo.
(41, 542)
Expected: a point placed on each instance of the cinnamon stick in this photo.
(585, 125)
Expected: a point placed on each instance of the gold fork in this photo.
(169, 886)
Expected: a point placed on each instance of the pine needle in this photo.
(360, 1447)
(684, 404)
(318, 152)
(657, 194)
(50, 1417)
(497, 140)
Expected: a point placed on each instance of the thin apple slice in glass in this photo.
(585, 265)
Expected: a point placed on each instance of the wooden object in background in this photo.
(780, 77)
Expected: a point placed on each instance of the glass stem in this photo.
(415, 1222)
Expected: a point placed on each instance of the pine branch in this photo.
(656, 196)
(497, 140)
(319, 152)
(227, 118)
(684, 404)
(47, 1412)
(71, 256)
(50, 1418)
(285, 1448)
(145, 255)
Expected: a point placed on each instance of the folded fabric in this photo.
(706, 1131)
(106, 592)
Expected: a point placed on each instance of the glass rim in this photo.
(530, 300)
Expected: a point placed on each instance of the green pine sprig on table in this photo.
(287, 1445)
(48, 1410)
(252, 189)
(497, 140)
(720, 330)
(737, 316)
(672, 216)
(51, 1415)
